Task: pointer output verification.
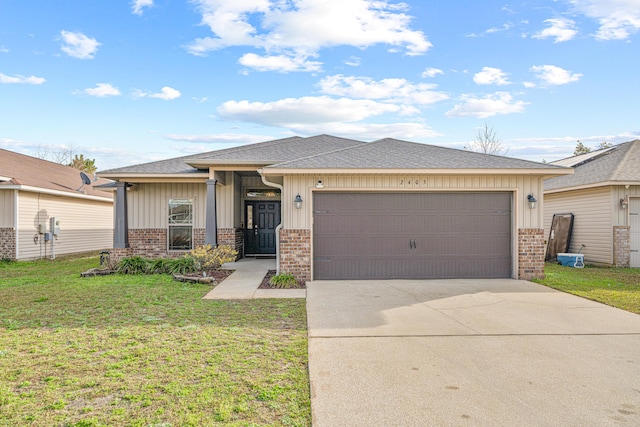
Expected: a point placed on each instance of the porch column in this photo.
(211, 221)
(121, 231)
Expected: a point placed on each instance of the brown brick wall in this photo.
(152, 242)
(530, 253)
(295, 253)
(8, 243)
(621, 246)
(233, 237)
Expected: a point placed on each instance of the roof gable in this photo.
(20, 169)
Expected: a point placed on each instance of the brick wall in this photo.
(152, 242)
(8, 243)
(233, 237)
(621, 246)
(295, 253)
(530, 253)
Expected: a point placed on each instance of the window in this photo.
(180, 224)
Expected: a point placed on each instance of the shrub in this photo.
(133, 265)
(208, 258)
(184, 264)
(284, 281)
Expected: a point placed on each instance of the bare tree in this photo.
(63, 155)
(487, 142)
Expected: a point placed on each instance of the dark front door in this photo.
(261, 219)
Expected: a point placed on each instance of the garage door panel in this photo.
(411, 235)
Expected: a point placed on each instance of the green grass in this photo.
(144, 351)
(618, 287)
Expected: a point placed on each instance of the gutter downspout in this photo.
(281, 188)
(16, 212)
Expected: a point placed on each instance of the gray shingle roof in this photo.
(330, 152)
(621, 163)
(396, 154)
(279, 150)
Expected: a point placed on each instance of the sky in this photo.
(127, 82)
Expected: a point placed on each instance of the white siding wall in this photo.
(592, 224)
(86, 225)
(305, 185)
(7, 208)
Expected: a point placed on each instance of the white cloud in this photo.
(491, 76)
(506, 26)
(78, 45)
(561, 29)
(102, 90)
(353, 61)
(281, 63)
(431, 72)
(291, 112)
(618, 19)
(367, 131)
(552, 75)
(138, 5)
(299, 30)
(391, 90)
(3, 49)
(20, 79)
(166, 93)
(219, 138)
(499, 103)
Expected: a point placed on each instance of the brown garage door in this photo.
(411, 235)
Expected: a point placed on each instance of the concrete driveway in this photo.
(469, 352)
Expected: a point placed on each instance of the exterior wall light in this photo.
(532, 201)
(319, 184)
(297, 202)
(624, 203)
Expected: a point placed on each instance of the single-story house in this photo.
(604, 196)
(46, 210)
(336, 208)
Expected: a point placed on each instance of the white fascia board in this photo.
(30, 189)
(546, 172)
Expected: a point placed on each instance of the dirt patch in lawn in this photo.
(266, 285)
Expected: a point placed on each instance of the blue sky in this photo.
(127, 82)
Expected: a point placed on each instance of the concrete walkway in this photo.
(468, 353)
(244, 282)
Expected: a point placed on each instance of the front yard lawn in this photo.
(144, 351)
(618, 287)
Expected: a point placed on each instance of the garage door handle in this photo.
(412, 244)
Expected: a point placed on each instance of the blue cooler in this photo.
(571, 260)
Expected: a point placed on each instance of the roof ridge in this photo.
(473, 153)
(623, 162)
(324, 153)
(254, 144)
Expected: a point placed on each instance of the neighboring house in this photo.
(604, 196)
(32, 191)
(335, 208)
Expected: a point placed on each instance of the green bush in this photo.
(133, 265)
(284, 281)
(183, 265)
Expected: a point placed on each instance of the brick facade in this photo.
(152, 242)
(295, 253)
(530, 253)
(621, 246)
(8, 243)
(233, 237)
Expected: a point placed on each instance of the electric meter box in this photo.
(54, 225)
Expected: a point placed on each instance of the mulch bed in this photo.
(216, 276)
(265, 281)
